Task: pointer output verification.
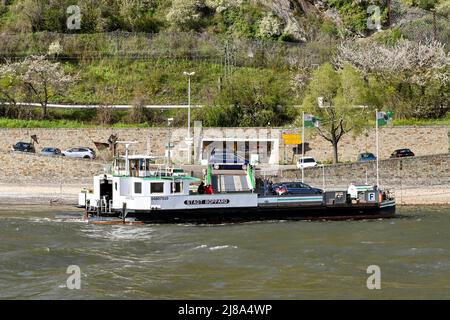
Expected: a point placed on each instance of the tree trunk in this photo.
(335, 152)
(44, 111)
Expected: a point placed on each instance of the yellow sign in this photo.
(292, 139)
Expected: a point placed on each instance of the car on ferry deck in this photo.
(285, 188)
(223, 159)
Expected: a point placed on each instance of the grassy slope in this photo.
(161, 81)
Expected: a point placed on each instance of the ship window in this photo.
(115, 185)
(175, 187)
(137, 187)
(157, 187)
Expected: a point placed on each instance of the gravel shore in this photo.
(39, 194)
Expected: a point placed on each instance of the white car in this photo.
(85, 153)
(306, 162)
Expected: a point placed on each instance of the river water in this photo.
(264, 260)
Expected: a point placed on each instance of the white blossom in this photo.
(184, 14)
(8, 69)
(55, 48)
(300, 80)
(39, 72)
(41, 77)
(270, 26)
(222, 5)
(421, 60)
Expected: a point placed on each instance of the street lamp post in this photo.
(188, 140)
(303, 147)
(169, 160)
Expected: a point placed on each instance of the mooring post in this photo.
(124, 211)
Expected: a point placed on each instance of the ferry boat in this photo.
(136, 190)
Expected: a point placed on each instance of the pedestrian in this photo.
(201, 188)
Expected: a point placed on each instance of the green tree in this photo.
(423, 4)
(443, 8)
(252, 99)
(8, 84)
(344, 97)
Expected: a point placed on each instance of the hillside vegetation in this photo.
(254, 59)
(283, 20)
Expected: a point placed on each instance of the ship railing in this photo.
(91, 205)
(105, 206)
(108, 169)
(149, 172)
(390, 194)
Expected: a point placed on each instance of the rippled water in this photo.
(270, 260)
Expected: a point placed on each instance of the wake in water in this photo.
(205, 246)
(119, 233)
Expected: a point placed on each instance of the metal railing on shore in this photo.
(93, 106)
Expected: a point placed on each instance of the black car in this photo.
(294, 188)
(400, 153)
(24, 147)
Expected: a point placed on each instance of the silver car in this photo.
(85, 153)
(50, 152)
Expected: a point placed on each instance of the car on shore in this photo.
(306, 162)
(401, 153)
(366, 156)
(49, 151)
(84, 153)
(24, 147)
(298, 188)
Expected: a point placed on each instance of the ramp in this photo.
(230, 183)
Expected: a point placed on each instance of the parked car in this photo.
(294, 188)
(85, 153)
(366, 156)
(306, 162)
(24, 147)
(400, 153)
(48, 151)
(227, 160)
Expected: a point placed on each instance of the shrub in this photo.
(270, 27)
(138, 113)
(185, 14)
